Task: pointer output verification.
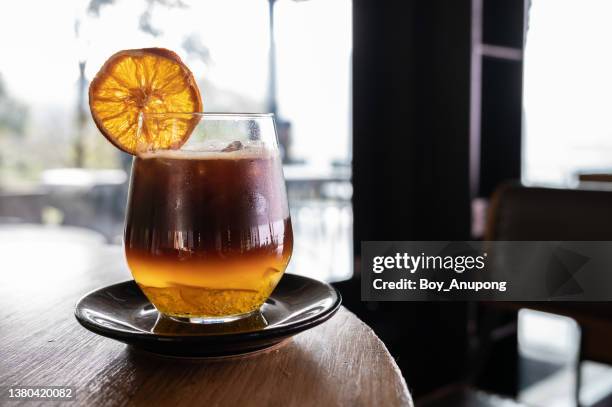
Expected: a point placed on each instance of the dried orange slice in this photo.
(150, 80)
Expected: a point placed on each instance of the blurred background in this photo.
(247, 56)
(414, 120)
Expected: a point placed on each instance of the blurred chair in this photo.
(22, 207)
(466, 397)
(322, 218)
(526, 213)
(89, 198)
(595, 177)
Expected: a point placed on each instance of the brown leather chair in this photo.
(527, 213)
(595, 177)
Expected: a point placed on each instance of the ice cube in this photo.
(233, 146)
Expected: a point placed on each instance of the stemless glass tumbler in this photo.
(208, 234)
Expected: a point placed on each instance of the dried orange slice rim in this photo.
(151, 81)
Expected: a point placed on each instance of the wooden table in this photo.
(43, 272)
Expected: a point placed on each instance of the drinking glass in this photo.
(208, 233)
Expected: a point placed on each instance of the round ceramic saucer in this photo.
(122, 312)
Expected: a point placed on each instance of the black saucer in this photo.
(122, 312)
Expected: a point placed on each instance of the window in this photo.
(567, 91)
(51, 152)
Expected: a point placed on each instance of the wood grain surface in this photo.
(43, 272)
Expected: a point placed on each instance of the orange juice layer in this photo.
(195, 288)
